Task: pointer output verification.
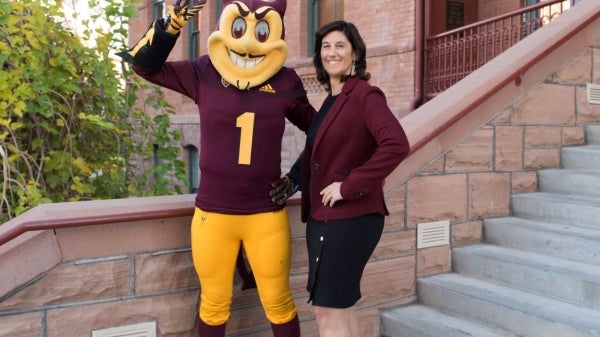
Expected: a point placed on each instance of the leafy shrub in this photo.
(71, 126)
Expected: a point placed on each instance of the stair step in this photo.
(592, 134)
(532, 272)
(417, 320)
(568, 242)
(538, 274)
(523, 313)
(569, 181)
(581, 157)
(573, 210)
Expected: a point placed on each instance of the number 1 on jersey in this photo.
(246, 124)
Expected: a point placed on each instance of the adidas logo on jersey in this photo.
(267, 88)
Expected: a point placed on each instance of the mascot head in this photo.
(248, 47)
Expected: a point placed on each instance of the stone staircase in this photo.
(537, 273)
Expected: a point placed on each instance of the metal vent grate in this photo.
(593, 93)
(135, 330)
(433, 234)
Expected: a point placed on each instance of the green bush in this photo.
(71, 126)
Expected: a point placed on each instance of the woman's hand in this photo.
(331, 194)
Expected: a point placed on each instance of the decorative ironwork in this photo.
(453, 55)
(312, 85)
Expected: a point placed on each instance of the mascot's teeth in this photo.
(244, 62)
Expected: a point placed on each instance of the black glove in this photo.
(283, 189)
(153, 49)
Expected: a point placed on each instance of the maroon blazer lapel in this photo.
(335, 110)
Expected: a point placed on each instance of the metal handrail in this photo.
(454, 54)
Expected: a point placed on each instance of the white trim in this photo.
(593, 93)
(147, 329)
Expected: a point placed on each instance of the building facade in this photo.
(392, 30)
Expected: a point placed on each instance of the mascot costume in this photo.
(244, 94)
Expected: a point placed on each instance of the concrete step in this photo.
(536, 275)
(575, 210)
(592, 134)
(523, 313)
(577, 283)
(568, 242)
(422, 321)
(581, 157)
(569, 181)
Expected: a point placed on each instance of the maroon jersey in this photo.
(240, 132)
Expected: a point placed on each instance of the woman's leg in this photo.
(335, 322)
(338, 253)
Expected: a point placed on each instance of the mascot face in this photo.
(248, 47)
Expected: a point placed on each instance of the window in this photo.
(193, 36)
(330, 10)
(192, 168)
(567, 3)
(159, 10)
(533, 20)
(312, 25)
(155, 158)
(218, 9)
(319, 13)
(529, 20)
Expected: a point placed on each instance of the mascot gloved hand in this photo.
(180, 14)
(154, 47)
(283, 189)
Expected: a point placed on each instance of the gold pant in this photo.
(267, 241)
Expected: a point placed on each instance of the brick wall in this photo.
(390, 52)
(491, 8)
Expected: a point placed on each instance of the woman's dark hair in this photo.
(358, 46)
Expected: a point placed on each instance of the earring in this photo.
(353, 70)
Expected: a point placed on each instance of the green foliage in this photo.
(70, 124)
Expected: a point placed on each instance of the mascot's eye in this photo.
(239, 28)
(262, 31)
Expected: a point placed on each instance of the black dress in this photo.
(338, 250)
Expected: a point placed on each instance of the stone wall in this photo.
(475, 179)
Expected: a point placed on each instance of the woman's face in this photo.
(336, 54)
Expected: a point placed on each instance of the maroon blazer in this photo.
(359, 143)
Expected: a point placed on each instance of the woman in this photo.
(353, 144)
